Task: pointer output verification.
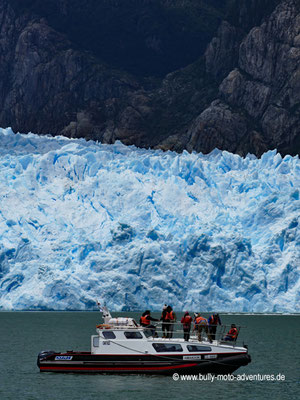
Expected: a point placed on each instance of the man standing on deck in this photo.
(171, 316)
(200, 325)
(165, 322)
(213, 321)
(186, 321)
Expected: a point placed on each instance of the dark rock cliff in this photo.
(258, 105)
(170, 74)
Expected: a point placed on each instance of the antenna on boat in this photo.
(105, 313)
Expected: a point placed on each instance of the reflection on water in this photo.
(273, 342)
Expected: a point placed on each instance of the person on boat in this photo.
(165, 322)
(186, 321)
(200, 325)
(232, 334)
(213, 321)
(145, 321)
(171, 316)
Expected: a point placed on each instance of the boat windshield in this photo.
(148, 333)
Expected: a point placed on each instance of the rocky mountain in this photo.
(258, 106)
(170, 74)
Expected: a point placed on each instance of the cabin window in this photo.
(194, 348)
(96, 341)
(133, 335)
(162, 347)
(108, 334)
(148, 333)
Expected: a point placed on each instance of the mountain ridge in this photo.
(157, 78)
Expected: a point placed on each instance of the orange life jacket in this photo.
(145, 320)
(233, 333)
(199, 319)
(170, 316)
(164, 316)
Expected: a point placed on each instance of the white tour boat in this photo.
(123, 346)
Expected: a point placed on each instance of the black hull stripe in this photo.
(226, 365)
(138, 357)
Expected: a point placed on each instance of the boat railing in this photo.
(176, 331)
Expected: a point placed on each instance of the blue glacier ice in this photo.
(80, 220)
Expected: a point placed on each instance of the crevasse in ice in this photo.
(139, 228)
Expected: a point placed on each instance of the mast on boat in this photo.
(105, 313)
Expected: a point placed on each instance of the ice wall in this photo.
(139, 228)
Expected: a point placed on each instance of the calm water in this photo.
(274, 344)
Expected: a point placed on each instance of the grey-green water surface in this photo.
(273, 340)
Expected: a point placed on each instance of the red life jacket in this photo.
(145, 320)
(233, 333)
(199, 319)
(186, 321)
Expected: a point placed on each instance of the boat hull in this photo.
(78, 362)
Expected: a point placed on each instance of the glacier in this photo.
(138, 228)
